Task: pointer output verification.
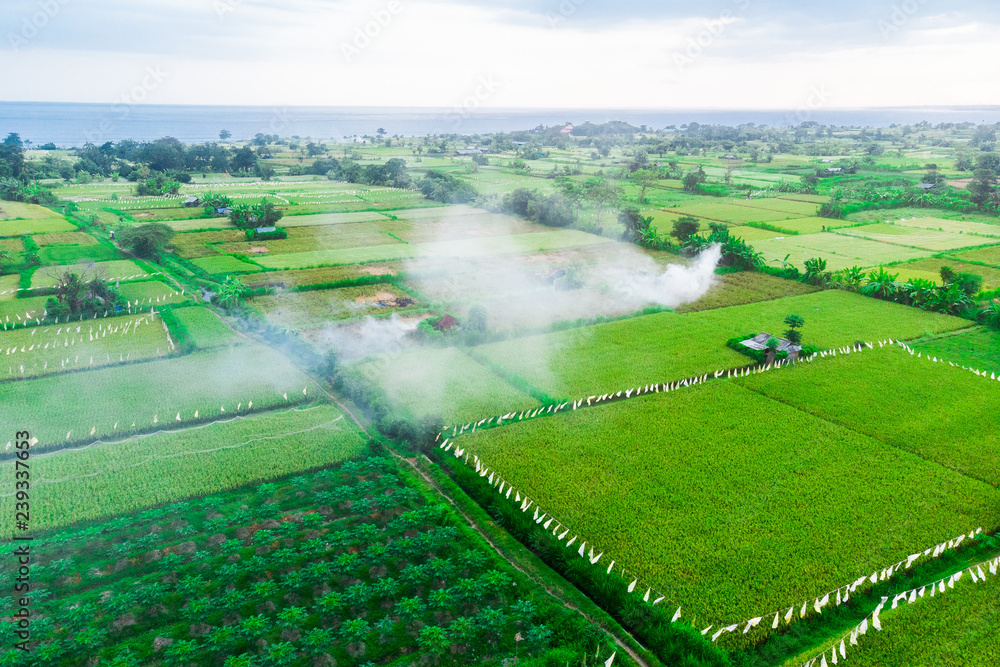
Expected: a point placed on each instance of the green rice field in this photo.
(704, 491)
(220, 264)
(206, 328)
(122, 269)
(672, 346)
(927, 239)
(840, 251)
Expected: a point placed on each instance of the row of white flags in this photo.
(177, 418)
(841, 595)
(811, 606)
(552, 409)
(977, 573)
(27, 320)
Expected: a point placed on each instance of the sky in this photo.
(626, 54)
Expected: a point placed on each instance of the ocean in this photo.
(69, 125)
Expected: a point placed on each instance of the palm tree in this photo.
(881, 285)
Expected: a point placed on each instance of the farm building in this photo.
(446, 323)
(759, 342)
(192, 201)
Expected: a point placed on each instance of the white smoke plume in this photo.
(678, 284)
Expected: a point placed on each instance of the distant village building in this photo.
(926, 186)
(759, 343)
(834, 170)
(265, 230)
(471, 150)
(566, 130)
(520, 143)
(446, 323)
(192, 201)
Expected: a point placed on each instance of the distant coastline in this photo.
(70, 124)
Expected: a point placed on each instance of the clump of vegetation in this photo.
(147, 241)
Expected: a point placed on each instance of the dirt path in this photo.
(557, 594)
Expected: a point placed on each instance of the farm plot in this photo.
(111, 401)
(953, 226)
(67, 254)
(17, 219)
(466, 226)
(330, 218)
(11, 210)
(520, 243)
(930, 269)
(192, 245)
(958, 628)
(220, 264)
(327, 274)
(710, 492)
(840, 251)
(54, 349)
(807, 225)
(990, 255)
(206, 329)
(790, 208)
(133, 473)
(736, 289)
(8, 287)
(444, 382)
(900, 400)
(436, 212)
(150, 293)
(121, 269)
(17, 311)
(977, 347)
(671, 346)
(316, 307)
(751, 234)
(65, 238)
(198, 223)
(927, 239)
(308, 239)
(731, 213)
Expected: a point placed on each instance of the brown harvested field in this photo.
(192, 245)
(315, 308)
(737, 289)
(65, 238)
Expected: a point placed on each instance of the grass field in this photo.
(34, 226)
(10, 210)
(930, 269)
(978, 348)
(731, 213)
(123, 476)
(65, 238)
(206, 329)
(47, 276)
(953, 226)
(70, 254)
(671, 346)
(220, 264)
(199, 223)
(788, 207)
(840, 251)
(316, 307)
(151, 393)
(328, 274)
(150, 292)
(331, 218)
(708, 492)
(519, 243)
(751, 234)
(8, 285)
(53, 349)
(444, 382)
(16, 310)
(807, 225)
(990, 255)
(942, 414)
(191, 245)
(928, 239)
